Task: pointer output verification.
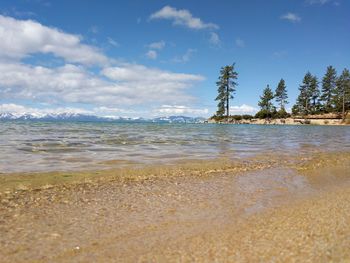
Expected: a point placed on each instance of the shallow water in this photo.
(218, 217)
(52, 146)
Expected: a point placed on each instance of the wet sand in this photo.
(267, 209)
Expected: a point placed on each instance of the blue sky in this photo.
(155, 58)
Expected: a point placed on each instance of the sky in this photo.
(161, 58)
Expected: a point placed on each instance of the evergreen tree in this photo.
(328, 88)
(226, 88)
(342, 93)
(314, 93)
(303, 100)
(266, 105)
(281, 94)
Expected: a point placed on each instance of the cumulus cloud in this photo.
(294, 18)
(182, 17)
(109, 85)
(21, 38)
(243, 109)
(129, 84)
(157, 45)
(179, 109)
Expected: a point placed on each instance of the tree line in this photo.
(331, 95)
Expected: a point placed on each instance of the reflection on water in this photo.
(36, 146)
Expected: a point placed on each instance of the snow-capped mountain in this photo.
(85, 117)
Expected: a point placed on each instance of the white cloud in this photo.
(112, 42)
(182, 17)
(152, 54)
(185, 57)
(21, 38)
(214, 39)
(240, 42)
(179, 109)
(294, 18)
(157, 45)
(108, 86)
(128, 84)
(140, 73)
(243, 109)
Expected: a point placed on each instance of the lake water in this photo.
(51, 146)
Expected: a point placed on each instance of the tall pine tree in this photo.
(314, 95)
(303, 100)
(266, 105)
(328, 88)
(281, 94)
(342, 93)
(226, 88)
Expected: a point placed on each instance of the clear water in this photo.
(50, 146)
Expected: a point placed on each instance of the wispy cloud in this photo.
(112, 42)
(240, 42)
(214, 39)
(152, 54)
(157, 45)
(182, 17)
(318, 2)
(292, 17)
(185, 57)
(18, 13)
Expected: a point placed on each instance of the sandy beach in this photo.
(267, 208)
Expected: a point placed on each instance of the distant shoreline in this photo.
(287, 121)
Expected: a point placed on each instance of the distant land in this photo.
(84, 117)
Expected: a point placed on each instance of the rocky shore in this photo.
(324, 119)
(287, 121)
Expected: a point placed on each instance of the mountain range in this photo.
(84, 117)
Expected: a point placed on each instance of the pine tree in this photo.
(314, 93)
(303, 100)
(342, 93)
(226, 88)
(281, 94)
(328, 88)
(266, 105)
